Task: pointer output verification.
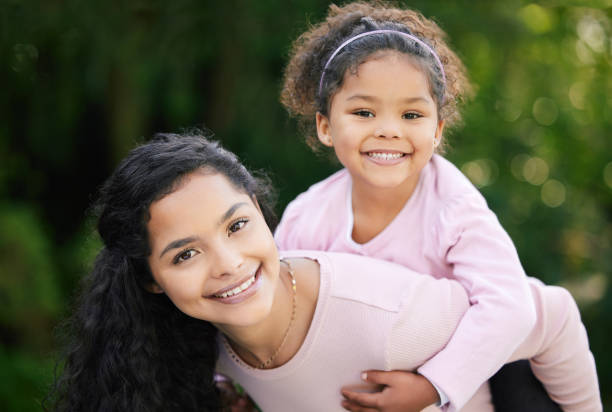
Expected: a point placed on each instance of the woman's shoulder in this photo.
(376, 283)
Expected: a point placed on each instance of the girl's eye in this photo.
(411, 115)
(237, 225)
(363, 113)
(184, 255)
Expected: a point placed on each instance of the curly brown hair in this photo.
(310, 52)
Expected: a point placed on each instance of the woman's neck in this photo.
(256, 344)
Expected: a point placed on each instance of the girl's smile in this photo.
(386, 157)
(383, 123)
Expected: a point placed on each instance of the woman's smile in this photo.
(238, 293)
(211, 246)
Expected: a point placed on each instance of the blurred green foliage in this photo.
(81, 82)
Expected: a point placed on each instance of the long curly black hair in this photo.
(128, 349)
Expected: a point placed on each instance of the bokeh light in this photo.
(545, 111)
(553, 193)
(607, 175)
(535, 171)
(482, 172)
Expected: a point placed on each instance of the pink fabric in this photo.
(558, 350)
(399, 322)
(446, 230)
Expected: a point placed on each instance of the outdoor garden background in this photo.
(82, 81)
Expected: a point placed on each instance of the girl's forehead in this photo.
(388, 59)
(392, 71)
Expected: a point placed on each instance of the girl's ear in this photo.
(323, 130)
(439, 130)
(153, 287)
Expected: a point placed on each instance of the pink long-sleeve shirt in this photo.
(446, 230)
(399, 323)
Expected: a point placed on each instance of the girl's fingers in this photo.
(380, 377)
(353, 407)
(368, 400)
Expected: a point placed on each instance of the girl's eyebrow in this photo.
(368, 98)
(362, 97)
(175, 244)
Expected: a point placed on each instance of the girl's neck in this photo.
(374, 208)
(255, 344)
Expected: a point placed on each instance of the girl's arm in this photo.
(484, 260)
(558, 350)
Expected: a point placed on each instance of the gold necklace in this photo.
(267, 363)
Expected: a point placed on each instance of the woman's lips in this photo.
(239, 292)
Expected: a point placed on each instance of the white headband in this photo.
(410, 36)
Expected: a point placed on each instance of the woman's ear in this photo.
(323, 130)
(153, 287)
(256, 203)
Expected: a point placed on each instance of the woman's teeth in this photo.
(385, 156)
(237, 289)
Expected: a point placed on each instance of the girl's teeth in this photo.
(237, 289)
(385, 156)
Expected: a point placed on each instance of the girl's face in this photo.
(212, 252)
(383, 122)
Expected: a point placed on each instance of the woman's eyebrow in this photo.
(231, 211)
(175, 244)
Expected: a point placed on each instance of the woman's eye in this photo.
(363, 113)
(237, 225)
(411, 115)
(184, 255)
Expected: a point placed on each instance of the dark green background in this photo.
(82, 81)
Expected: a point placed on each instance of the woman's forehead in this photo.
(198, 195)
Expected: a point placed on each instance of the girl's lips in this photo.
(385, 157)
(243, 294)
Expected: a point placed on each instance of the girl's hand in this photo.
(402, 391)
(233, 399)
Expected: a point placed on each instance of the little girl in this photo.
(379, 85)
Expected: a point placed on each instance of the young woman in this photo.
(190, 281)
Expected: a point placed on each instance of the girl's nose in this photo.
(388, 129)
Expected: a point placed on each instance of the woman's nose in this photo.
(228, 261)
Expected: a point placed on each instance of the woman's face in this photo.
(212, 252)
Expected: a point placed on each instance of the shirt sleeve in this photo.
(441, 395)
(558, 350)
(286, 233)
(485, 262)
